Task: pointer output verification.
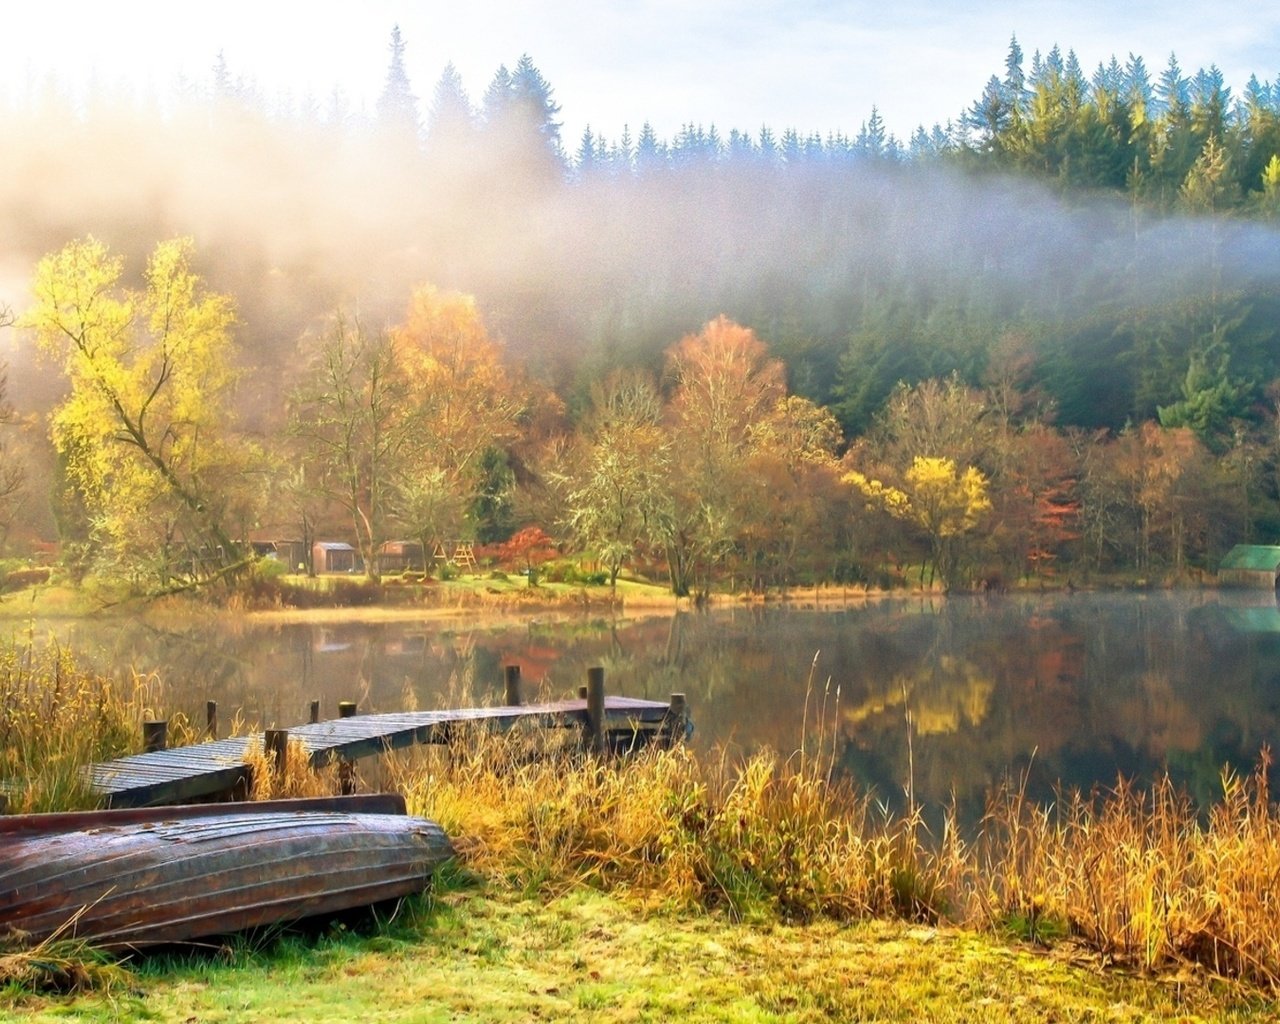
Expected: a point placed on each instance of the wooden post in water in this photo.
(211, 718)
(595, 709)
(511, 694)
(346, 770)
(155, 736)
(315, 712)
(276, 743)
(675, 723)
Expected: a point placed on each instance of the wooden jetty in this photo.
(218, 768)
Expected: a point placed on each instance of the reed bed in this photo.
(1137, 876)
(55, 717)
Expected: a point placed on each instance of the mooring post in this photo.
(674, 725)
(276, 743)
(315, 712)
(595, 709)
(512, 689)
(155, 736)
(211, 719)
(346, 770)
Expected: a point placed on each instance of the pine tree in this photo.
(1173, 95)
(650, 154)
(531, 98)
(873, 141)
(1137, 89)
(990, 116)
(397, 106)
(768, 147)
(451, 122)
(586, 158)
(1015, 84)
(497, 99)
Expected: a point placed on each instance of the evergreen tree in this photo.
(397, 106)
(585, 161)
(651, 155)
(451, 121)
(1137, 89)
(1015, 84)
(497, 99)
(768, 147)
(531, 99)
(871, 140)
(1173, 94)
(990, 116)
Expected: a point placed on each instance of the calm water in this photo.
(1071, 688)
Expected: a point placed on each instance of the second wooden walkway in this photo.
(203, 770)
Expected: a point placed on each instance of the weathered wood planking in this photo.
(141, 877)
(208, 769)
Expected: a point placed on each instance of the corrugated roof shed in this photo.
(1253, 558)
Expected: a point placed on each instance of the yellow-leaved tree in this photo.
(464, 406)
(945, 502)
(143, 433)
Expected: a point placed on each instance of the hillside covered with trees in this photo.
(1038, 338)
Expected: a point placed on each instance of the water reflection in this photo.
(1061, 688)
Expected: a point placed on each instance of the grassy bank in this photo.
(492, 955)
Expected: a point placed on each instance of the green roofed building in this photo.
(1251, 565)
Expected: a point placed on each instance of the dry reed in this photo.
(1135, 875)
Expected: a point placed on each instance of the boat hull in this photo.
(129, 879)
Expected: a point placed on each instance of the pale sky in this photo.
(815, 65)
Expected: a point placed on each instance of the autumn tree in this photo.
(789, 509)
(723, 384)
(618, 490)
(462, 410)
(945, 502)
(349, 419)
(144, 433)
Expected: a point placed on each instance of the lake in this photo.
(969, 691)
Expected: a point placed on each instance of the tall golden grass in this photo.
(1135, 875)
(56, 716)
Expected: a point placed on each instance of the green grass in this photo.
(495, 956)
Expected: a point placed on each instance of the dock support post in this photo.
(346, 770)
(511, 695)
(155, 735)
(211, 718)
(276, 743)
(674, 724)
(595, 709)
(315, 712)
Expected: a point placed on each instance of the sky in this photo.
(813, 65)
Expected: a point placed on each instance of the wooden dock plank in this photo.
(208, 769)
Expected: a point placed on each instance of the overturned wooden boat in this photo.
(143, 877)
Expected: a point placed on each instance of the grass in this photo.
(495, 956)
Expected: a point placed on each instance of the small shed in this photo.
(1251, 565)
(401, 556)
(328, 556)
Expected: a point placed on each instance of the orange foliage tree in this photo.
(724, 384)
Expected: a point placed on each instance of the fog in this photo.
(296, 215)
